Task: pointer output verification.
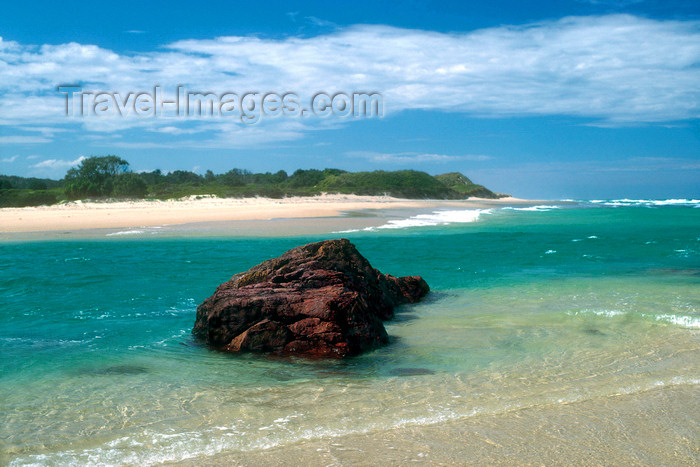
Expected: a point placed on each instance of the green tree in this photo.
(129, 185)
(279, 176)
(235, 177)
(94, 176)
(152, 178)
(36, 184)
(305, 178)
(181, 177)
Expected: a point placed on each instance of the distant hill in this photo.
(401, 184)
(110, 177)
(465, 187)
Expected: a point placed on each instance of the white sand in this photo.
(125, 214)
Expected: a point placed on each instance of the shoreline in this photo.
(93, 216)
(649, 427)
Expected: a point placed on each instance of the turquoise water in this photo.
(528, 307)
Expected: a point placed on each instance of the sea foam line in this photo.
(446, 217)
(126, 232)
(647, 202)
(139, 231)
(684, 321)
(179, 446)
(437, 218)
(540, 208)
(462, 216)
(691, 322)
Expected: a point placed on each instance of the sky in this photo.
(566, 99)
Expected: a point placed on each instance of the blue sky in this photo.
(550, 99)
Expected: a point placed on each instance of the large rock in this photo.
(318, 299)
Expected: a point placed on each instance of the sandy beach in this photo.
(81, 215)
(651, 427)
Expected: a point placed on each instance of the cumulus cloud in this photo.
(58, 163)
(614, 70)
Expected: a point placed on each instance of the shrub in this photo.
(129, 185)
(21, 198)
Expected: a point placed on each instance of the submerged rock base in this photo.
(320, 299)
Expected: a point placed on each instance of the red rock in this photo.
(320, 299)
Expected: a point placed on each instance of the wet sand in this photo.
(655, 427)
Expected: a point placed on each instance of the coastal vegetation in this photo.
(110, 177)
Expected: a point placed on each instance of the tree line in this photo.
(99, 177)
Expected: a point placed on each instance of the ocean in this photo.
(530, 307)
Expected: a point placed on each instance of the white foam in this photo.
(541, 208)
(685, 321)
(139, 231)
(176, 446)
(606, 313)
(675, 381)
(672, 202)
(462, 216)
(126, 232)
(648, 202)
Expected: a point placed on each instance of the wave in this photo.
(684, 321)
(462, 216)
(606, 313)
(648, 202)
(38, 343)
(437, 218)
(126, 232)
(140, 231)
(540, 208)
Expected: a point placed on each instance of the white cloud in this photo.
(9, 160)
(613, 70)
(57, 163)
(319, 22)
(45, 131)
(413, 157)
(173, 130)
(23, 140)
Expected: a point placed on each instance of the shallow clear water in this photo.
(529, 307)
